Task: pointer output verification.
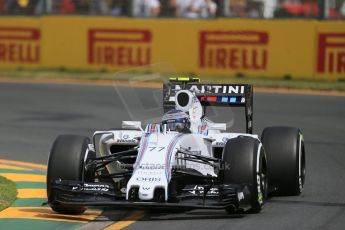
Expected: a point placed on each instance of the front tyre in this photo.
(247, 161)
(66, 162)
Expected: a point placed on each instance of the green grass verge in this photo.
(8, 193)
(149, 76)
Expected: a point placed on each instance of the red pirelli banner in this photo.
(233, 50)
(300, 49)
(119, 47)
(20, 45)
(331, 53)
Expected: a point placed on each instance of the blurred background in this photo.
(299, 39)
(265, 9)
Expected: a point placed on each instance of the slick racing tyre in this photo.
(247, 161)
(65, 162)
(286, 161)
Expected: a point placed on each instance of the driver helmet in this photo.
(176, 120)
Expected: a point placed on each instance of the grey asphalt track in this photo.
(32, 115)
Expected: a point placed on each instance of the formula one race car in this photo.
(186, 161)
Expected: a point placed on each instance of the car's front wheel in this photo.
(247, 160)
(66, 162)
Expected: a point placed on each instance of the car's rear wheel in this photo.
(247, 161)
(285, 151)
(66, 162)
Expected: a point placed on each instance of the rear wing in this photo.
(234, 95)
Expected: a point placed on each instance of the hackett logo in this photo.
(119, 47)
(331, 53)
(19, 45)
(233, 50)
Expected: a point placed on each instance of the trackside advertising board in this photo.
(20, 43)
(330, 54)
(297, 48)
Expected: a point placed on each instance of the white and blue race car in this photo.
(184, 162)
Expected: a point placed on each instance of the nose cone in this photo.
(146, 192)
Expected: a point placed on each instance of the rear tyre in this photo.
(247, 161)
(285, 152)
(66, 162)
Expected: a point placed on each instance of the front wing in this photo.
(226, 196)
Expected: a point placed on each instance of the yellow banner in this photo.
(224, 47)
(20, 42)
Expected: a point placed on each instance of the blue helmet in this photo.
(176, 120)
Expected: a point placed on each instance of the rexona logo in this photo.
(331, 53)
(119, 47)
(19, 45)
(233, 50)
